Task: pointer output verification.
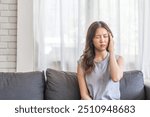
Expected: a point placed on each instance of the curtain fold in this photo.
(144, 37)
(60, 28)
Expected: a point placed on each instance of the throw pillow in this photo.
(132, 86)
(22, 86)
(61, 85)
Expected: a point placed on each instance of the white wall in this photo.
(25, 41)
(8, 35)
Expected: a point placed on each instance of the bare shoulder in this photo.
(80, 71)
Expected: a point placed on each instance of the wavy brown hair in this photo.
(89, 51)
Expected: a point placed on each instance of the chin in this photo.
(101, 50)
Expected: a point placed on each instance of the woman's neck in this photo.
(100, 55)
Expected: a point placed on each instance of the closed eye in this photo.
(105, 36)
(97, 37)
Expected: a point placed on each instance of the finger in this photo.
(110, 35)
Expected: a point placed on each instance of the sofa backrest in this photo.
(22, 86)
(60, 85)
(132, 86)
(63, 85)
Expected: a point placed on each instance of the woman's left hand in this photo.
(111, 43)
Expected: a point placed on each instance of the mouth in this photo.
(102, 45)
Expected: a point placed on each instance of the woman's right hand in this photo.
(111, 43)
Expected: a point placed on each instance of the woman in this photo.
(99, 69)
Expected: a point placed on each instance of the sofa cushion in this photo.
(147, 89)
(132, 86)
(22, 86)
(61, 85)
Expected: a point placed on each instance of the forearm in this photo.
(82, 84)
(115, 71)
(86, 97)
(84, 91)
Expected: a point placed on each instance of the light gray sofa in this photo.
(61, 85)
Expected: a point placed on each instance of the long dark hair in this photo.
(89, 51)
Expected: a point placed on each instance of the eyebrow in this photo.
(102, 34)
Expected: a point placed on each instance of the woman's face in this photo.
(101, 39)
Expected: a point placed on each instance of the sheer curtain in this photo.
(144, 37)
(60, 28)
(59, 33)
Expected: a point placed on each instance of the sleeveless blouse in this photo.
(100, 84)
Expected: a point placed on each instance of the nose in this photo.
(102, 39)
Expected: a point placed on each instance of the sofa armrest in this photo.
(147, 89)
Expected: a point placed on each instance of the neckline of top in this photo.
(103, 59)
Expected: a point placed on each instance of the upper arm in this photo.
(81, 80)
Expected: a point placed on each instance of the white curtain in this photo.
(60, 28)
(59, 33)
(144, 37)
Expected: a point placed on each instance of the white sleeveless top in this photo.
(99, 82)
